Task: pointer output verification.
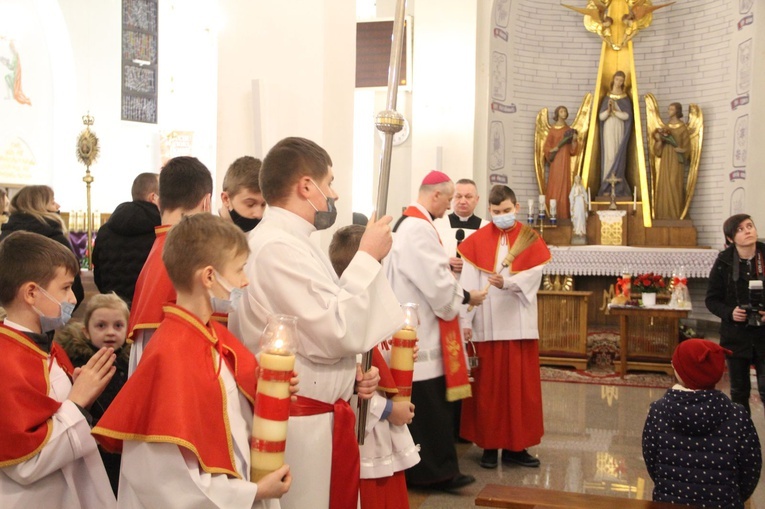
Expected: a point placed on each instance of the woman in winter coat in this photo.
(34, 209)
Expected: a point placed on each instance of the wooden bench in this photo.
(514, 497)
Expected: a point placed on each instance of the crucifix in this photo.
(613, 180)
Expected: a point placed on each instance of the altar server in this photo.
(183, 421)
(338, 318)
(388, 448)
(47, 456)
(418, 269)
(185, 187)
(505, 411)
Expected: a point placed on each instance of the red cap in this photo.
(699, 363)
(435, 177)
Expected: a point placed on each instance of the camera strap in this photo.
(759, 264)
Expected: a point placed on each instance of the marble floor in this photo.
(592, 444)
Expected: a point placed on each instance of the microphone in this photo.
(460, 236)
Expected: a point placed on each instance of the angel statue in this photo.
(558, 145)
(676, 145)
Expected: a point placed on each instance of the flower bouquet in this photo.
(648, 285)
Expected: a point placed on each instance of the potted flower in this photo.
(648, 285)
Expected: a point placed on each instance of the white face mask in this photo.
(225, 306)
(504, 221)
(51, 323)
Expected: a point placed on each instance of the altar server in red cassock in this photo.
(184, 419)
(185, 187)
(505, 411)
(47, 456)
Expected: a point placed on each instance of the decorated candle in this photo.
(272, 399)
(531, 205)
(402, 353)
(553, 208)
(542, 205)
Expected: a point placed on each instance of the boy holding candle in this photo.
(505, 411)
(388, 449)
(185, 416)
(338, 318)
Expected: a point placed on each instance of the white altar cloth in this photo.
(612, 260)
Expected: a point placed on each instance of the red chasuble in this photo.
(153, 288)
(177, 387)
(474, 249)
(25, 418)
(453, 351)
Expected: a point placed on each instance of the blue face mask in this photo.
(324, 219)
(225, 306)
(52, 323)
(504, 221)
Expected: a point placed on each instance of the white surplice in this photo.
(68, 472)
(168, 476)
(419, 272)
(506, 314)
(337, 319)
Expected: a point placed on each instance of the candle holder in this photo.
(402, 352)
(272, 399)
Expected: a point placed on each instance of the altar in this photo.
(647, 336)
(595, 269)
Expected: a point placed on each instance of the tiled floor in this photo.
(591, 445)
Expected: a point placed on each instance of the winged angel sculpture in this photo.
(598, 19)
(674, 146)
(559, 145)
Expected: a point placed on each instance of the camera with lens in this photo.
(756, 304)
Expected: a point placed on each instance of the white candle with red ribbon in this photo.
(272, 399)
(402, 353)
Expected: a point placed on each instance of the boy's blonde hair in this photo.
(34, 200)
(345, 243)
(244, 173)
(197, 241)
(30, 257)
(105, 300)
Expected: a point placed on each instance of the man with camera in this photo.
(735, 295)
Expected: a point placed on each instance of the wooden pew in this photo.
(515, 497)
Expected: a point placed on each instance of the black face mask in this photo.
(243, 223)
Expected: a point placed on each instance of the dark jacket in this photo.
(702, 449)
(79, 349)
(122, 246)
(723, 295)
(52, 230)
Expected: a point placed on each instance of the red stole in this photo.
(176, 393)
(477, 249)
(153, 288)
(26, 407)
(452, 349)
(346, 463)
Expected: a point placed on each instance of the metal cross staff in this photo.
(389, 122)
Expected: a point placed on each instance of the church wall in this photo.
(71, 56)
(301, 57)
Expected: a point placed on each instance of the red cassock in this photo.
(176, 387)
(26, 407)
(153, 288)
(505, 411)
